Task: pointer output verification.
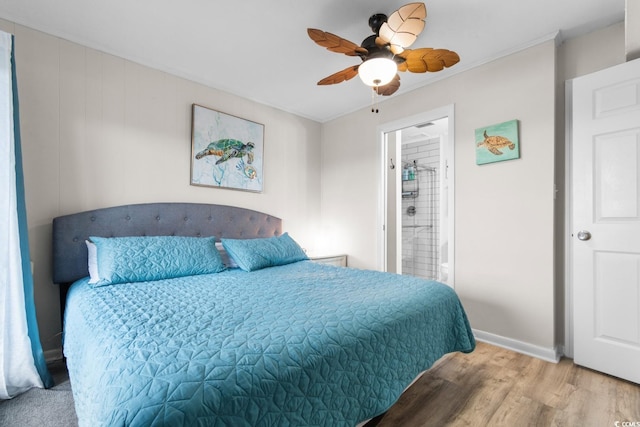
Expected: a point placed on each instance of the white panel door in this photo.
(606, 220)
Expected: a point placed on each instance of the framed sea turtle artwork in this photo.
(497, 143)
(226, 151)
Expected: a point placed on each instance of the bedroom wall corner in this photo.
(99, 130)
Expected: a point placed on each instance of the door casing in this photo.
(439, 113)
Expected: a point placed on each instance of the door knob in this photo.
(584, 235)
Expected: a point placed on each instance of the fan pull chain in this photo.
(374, 100)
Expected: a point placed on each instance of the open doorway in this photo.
(423, 221)
(418, 226)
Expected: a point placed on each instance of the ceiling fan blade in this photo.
(390, 88)
(335, 43)
(403, 26)
(427, 59)
(341, 76)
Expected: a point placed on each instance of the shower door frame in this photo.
(389, 223)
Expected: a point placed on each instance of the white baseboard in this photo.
(52, 355)
(548, 354)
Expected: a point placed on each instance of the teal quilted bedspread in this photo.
(303, 344)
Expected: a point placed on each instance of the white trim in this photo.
(451, 197)
(381, 238)
(543, 353)
(398, 191)
(568, 220)
(212, 83)
(556, 36)
(467, 66)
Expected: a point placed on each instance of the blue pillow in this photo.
(254, 254)
(145, 258)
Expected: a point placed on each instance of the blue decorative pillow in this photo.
(254, 254)
(145, 258)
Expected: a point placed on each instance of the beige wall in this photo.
(98, 130)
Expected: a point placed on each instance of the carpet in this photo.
(39, 408)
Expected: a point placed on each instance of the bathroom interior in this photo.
(423, 197)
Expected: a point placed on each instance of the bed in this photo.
(291, 342)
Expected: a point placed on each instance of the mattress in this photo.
(299, 344)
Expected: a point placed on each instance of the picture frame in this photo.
(226, 151)
(497, 143)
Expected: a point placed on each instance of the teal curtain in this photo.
(22, 363)
(27, 276)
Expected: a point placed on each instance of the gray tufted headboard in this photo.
(151, 219)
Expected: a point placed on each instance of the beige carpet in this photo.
(42, 408)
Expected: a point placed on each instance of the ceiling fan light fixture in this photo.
(386, 53)
(377, 71)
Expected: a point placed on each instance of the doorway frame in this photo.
(567, 349)
(447, 111)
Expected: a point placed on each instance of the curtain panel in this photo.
(22, 364)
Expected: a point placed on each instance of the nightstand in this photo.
(337, 260)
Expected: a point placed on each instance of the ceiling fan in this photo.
(385, 52)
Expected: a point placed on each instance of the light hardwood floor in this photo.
(497, 387)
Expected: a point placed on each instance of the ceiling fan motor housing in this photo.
(377, 51)
(376, 21)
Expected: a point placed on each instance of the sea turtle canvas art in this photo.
(497, 143)
(226, 151)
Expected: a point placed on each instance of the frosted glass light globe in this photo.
(377, 71)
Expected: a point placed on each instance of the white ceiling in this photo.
(260, 50)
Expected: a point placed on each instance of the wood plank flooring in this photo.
(497, 387)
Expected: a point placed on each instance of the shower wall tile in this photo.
(420, 245)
